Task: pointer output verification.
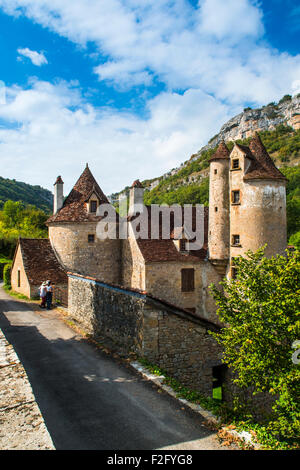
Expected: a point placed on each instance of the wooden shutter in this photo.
(187, 280)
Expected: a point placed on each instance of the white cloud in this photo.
(217, 46)
(37, 58)
(54, 131)
(214, 53)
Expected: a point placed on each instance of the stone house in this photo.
(247, 209)
(33, 263)
(159, 286)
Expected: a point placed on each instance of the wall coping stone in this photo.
(149, 300)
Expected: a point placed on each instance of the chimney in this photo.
(136, 198)
(58, 194)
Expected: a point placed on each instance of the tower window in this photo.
(91, 238)
(93, 206)
(235, 197)
(19, 278)
(236, 164)
(216, 209)
(216, 171)
(187, 280)
(236, 240)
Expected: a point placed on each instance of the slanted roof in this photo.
(222, 152)
(137, 184)
(40, 262)
(74, 208)
(262, 167)
(160, 250)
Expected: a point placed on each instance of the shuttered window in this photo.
(187, 280)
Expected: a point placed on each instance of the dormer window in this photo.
(182, 244)
(235, 164)
(93, 206)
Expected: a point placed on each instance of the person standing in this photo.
(49, 295)
(43, 293)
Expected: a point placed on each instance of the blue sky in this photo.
(133, 87)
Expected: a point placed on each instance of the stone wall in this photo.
(100, 258)
(133, 265)
(105, 310)
(19, 266)
(163, 280)
(171, 338)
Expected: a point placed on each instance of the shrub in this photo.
(261, 311)
(7, 275)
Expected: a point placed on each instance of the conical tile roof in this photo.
(74, 208)
(262, 167)
(222, 152)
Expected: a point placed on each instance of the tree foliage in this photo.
(260, 309)
(18, 220)
(26, 193)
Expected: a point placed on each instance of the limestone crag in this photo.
(244, 125)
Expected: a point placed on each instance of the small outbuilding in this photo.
(35, 262)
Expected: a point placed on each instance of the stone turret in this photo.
(218, 229)
(136, 198)
(58, 200)
(257, 201)
(73, 233)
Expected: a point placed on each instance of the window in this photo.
(182, 244)
(236, 240)
(216, 209)
(19, 278)
(236, 164)
(233, 272)
(93, 206)
(235, 197)
(91, 238)
(216, 171)
(187, 280)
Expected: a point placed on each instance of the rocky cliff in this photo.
(242, 126)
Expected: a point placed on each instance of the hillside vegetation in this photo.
(283, 145)
(12, 190)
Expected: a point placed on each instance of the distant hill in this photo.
(279, 127)
(17, 191)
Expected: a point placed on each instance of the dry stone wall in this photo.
(171, 338)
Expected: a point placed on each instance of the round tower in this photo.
(258, 202)
(218, 222)
(73, 233)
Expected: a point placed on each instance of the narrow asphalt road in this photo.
(88, 399)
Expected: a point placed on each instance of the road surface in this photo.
(88, 399)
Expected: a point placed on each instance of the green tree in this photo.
(260, 309)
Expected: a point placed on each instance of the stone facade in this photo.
(260, 216)
(165, 335)
(133, 265)
(19, 280)
(218, 231)
(163, 280)
(100, 258)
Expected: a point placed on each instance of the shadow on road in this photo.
(89, 400)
